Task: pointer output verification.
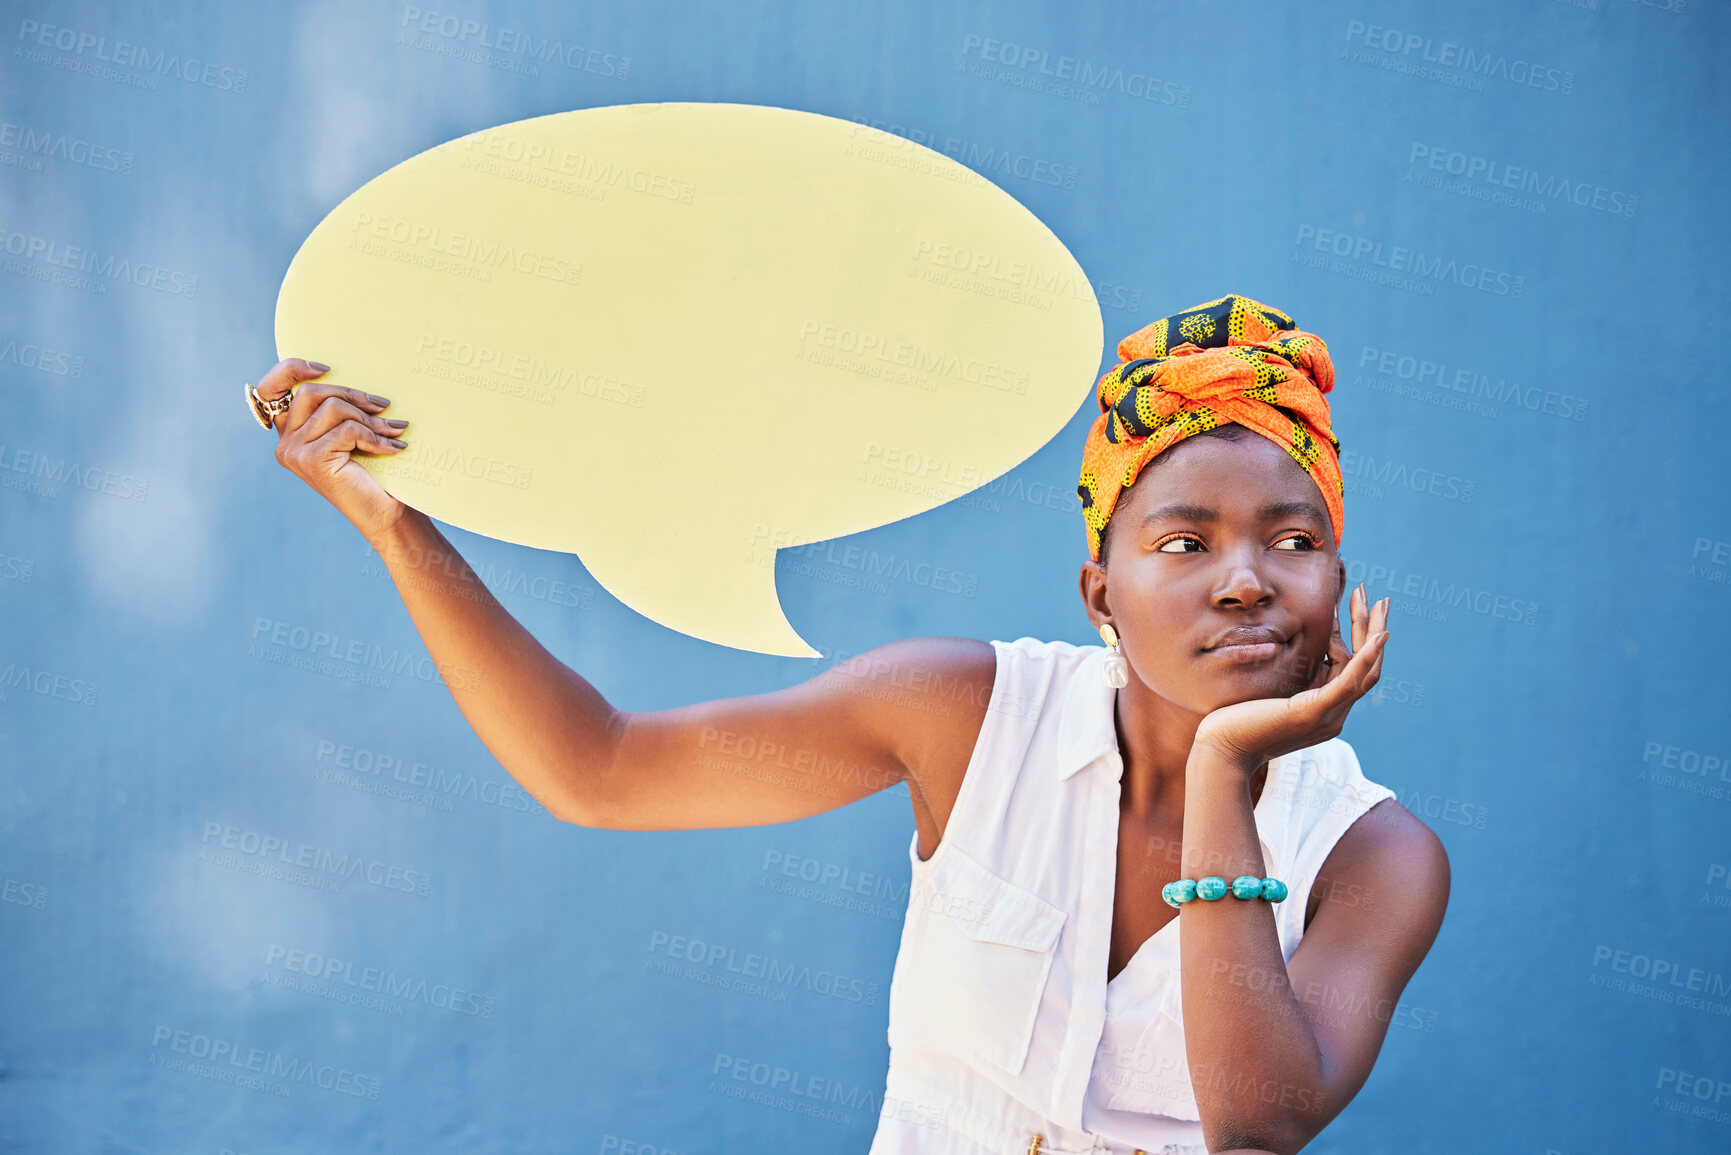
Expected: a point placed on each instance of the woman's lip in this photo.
(1248, 651)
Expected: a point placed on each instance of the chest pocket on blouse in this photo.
(984, 955)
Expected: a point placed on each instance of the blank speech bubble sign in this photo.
(674, 338)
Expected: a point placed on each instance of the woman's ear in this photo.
(1339, 586)
(1092, 582)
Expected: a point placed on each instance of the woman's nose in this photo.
(1242, 583)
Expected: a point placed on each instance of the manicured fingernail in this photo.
(397, 421)
(320, 368)
(398, 442)
(379, 400)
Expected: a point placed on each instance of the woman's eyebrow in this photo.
(1180, 510)
(1274, 511)
(1280, 510)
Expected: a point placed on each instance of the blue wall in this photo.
(1507, 218)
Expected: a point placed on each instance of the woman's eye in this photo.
(1298, 541)
(1179, 545)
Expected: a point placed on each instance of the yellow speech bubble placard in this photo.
(674, 338)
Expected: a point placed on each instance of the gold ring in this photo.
(266, 411)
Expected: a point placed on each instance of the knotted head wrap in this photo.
(1228, 361)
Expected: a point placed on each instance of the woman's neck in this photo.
(1155, 737)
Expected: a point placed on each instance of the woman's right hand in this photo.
(315, 435)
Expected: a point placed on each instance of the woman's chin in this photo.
(1249, 683)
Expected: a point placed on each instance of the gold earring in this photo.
(1116, 671)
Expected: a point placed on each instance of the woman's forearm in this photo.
(1254, 1060)
(546, 725)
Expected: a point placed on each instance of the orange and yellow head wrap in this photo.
(1228, 361)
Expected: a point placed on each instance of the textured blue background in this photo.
(1547, 508)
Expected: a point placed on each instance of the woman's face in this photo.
(1222, 578)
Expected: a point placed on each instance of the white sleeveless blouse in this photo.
(1001, 1022)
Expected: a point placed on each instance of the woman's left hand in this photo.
(1253, 732)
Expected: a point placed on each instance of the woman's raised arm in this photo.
(908, 711)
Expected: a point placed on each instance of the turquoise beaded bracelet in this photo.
(1213, 887)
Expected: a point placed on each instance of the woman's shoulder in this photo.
(1048, 650)
(1337, 761)
(1045, 668)
(1326, 789)
(950, 667)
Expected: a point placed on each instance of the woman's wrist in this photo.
(1212, 762)
(387, 525)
